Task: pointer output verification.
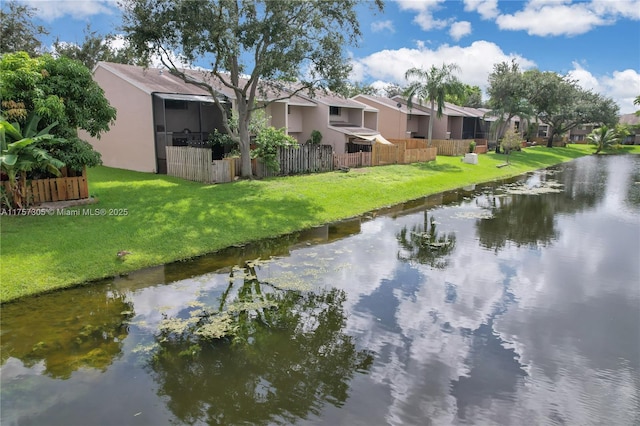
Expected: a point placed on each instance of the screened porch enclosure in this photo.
(185, 120)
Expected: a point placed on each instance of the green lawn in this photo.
(170, 219)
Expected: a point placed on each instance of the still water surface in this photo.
(508, 304)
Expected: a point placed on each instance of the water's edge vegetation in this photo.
(158, 219)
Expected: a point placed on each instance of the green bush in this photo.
(316, 137)
(472, 146)
(267, 143)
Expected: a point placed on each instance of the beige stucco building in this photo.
(156, 109)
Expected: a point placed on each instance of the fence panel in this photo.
(420, 155)
(56, 189)
(384, 154)
(190, 163)
(353, 160)
(452, 147)
(222, 171)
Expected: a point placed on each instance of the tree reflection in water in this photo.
(524, 220)
(278, 355)
(77, 328)
(425, 245)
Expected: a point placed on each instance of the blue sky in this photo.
(596, 42)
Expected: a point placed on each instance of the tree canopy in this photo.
(507, 96)
(559, 102)
(17, 30)
(433, 85)
(95, 48)
(248, 46)
(59, 90)
(471, 96)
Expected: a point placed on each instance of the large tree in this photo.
(432, 85)
(59, 90)
(559, 102)
(17, 30)
(248, 46)
(507, 96)
(96, 47)
(471, 96)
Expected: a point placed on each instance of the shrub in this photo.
(510, 141)
(267, 143)
(472, 146)
(316, 137)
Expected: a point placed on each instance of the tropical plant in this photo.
(61, 91)
(603, 137)
(432, 85)
(19, 155)
(267, 143)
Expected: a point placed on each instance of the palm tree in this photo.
(602, 137)
(433, 85)
(19, 155)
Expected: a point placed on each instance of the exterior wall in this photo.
(342, 118)
(317, 118)
(129, 144)
(295, 119)
(355, 116)
(371, 120)
(455, 127)
(278, 113)
(440, 127)
(392, 124)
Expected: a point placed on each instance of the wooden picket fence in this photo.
(352, 160)
(196, 164)
(455, 147)
(413, 151)
(63, 188)
(305, 158)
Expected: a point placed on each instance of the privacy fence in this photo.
(62, 188)
(455, 147)
(196, 163)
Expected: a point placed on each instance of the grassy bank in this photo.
(168, 219)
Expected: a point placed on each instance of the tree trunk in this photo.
(550, 141)
(245, 139)
(431, 117)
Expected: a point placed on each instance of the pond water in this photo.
(509, 303)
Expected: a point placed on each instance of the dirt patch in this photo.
(66, 204)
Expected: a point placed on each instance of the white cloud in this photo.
(622, 86)
(52, 10)
(475, 62)
(380, 26)
(619, 8)
(544, 18)
(488, 9)
(460, 29)
(425, 9)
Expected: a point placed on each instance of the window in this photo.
(175, 104)
(335, 110)
(288, 109)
